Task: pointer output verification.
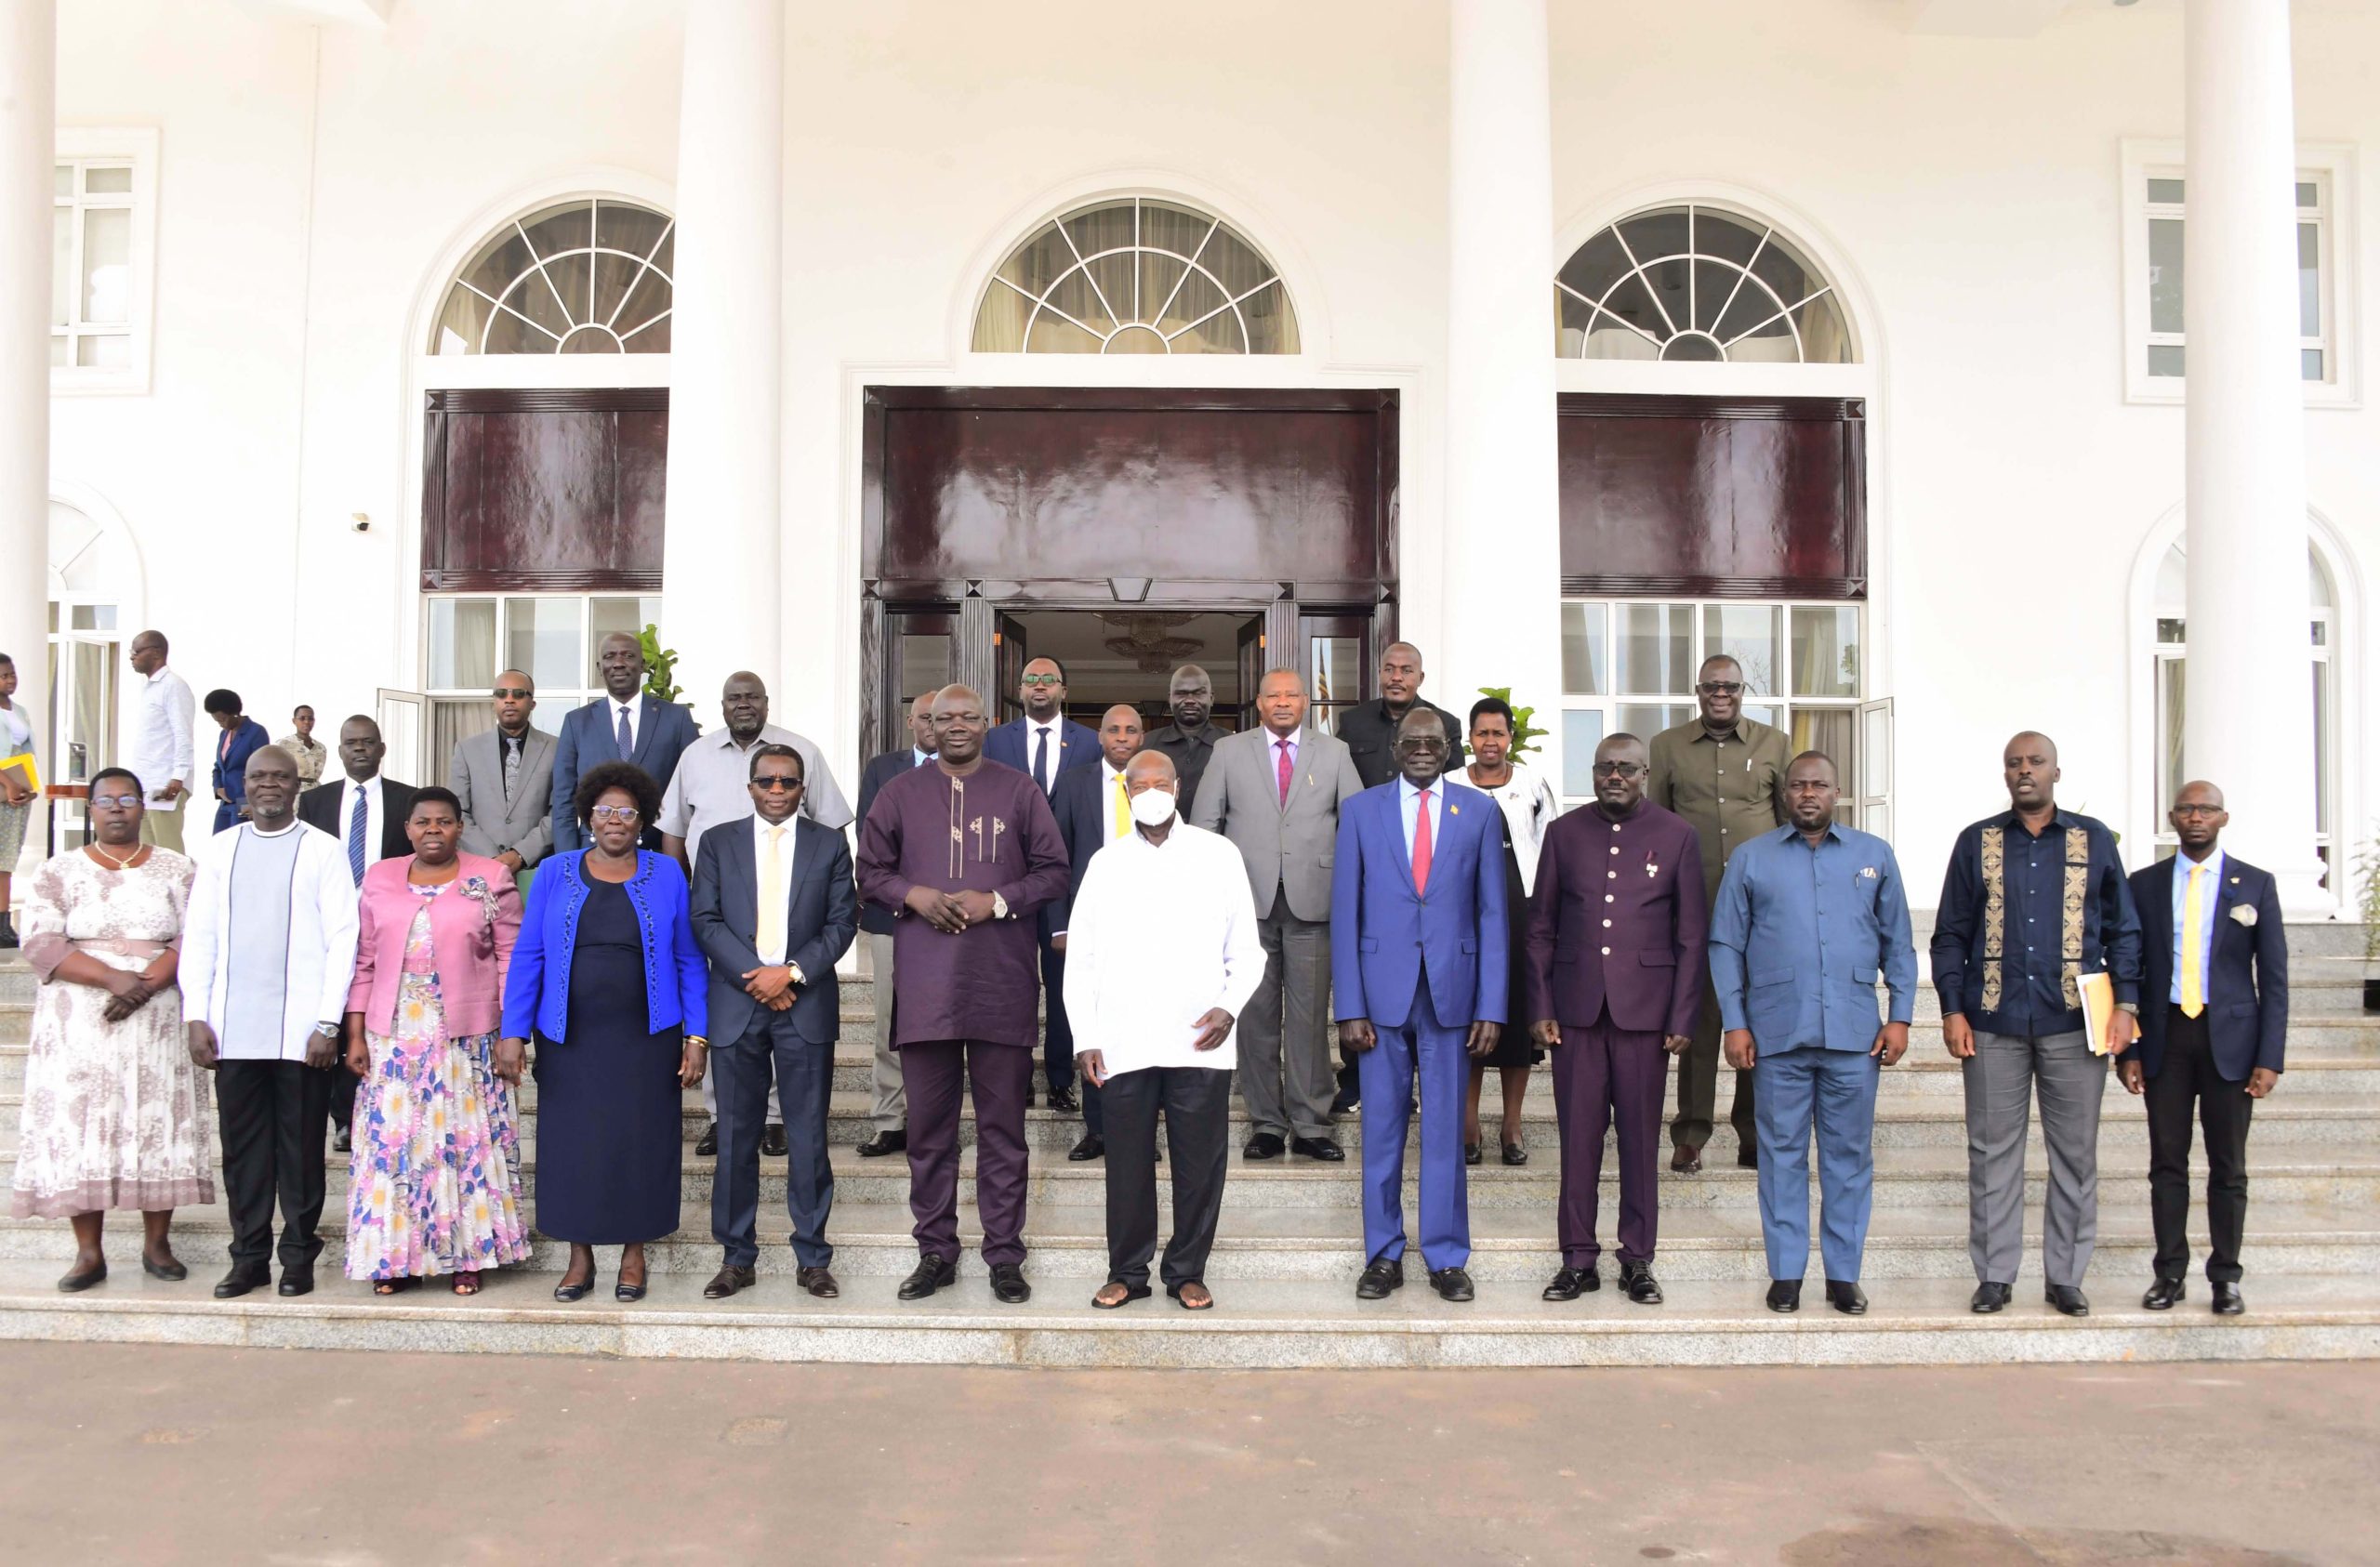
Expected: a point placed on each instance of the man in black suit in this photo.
(625, 724)
(773, 906)
(1044, 743)
(890, 1109)
(2213, 1017)
(1190, 739)
(367, 813)
(1092, 811)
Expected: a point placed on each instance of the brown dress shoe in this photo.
(727, 1281)
(1686, 1158)
(819, 1282)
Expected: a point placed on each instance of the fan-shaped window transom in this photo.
(580, 277)
(1698, 282)
(1136, 276)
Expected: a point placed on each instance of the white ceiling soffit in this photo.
(1986, 18)
(372, 14)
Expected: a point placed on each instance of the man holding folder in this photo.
(2034, 900)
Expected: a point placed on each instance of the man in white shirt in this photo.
(163, 757)
(268, 952)
(1162, 953)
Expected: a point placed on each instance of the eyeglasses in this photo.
(1618, 770)
(1721, 687)
(114, 802)
(614, 814)
(2198, 810)
(1045, 680)
(503, 692)
(776, 783)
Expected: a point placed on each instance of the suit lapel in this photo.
(1397, 851)
(644, 706)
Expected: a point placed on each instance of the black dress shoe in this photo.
(2227, 1302)
(819, 1281)
(1515, 1154)
(239, 1281)
(1092, 1146)
(1382, 1276)
(1847, 1298)
(1637, 1279)
(2163, 1295)
(1471, 1153)
(1988, 1297)
(1263, 1145)
(1748, 1156)
(1784, 1295)
(171, 1270)
(1452, 1283)
(343, 1141)
(75, 1284)
(2068, 1299)
(772, 1141)
(882, 1143)
(707, 1145)
(1008, 1283)
(931, 1273)
(1346, 1101)
(1686, 1158)
(1063, 1099)
(568, 1292)
(728, 1280)
(1324, 1148)
(297, 1281)
(1571, 1283)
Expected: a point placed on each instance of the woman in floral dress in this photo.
(434, 1179)
(115, 1114)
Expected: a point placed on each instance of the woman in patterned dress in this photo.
(115, 1113)
(434, 1176)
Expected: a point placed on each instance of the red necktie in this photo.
(1422, 844)
(1283, 747)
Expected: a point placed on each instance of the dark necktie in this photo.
(1041, 759)
(356, 822)
(628, 741)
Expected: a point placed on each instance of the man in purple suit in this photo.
(1617, 928)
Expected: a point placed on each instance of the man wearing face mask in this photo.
(1162, 953)
(1093, 810)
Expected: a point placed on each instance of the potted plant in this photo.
(2367, 865)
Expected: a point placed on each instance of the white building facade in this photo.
(393, 341)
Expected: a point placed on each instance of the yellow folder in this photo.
(2098, 995)
(24, 759)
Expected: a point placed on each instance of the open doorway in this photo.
(1129, 654)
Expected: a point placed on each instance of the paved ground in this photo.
(121, 1453)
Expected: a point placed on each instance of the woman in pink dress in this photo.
(434, 1179)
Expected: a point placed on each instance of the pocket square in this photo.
(1867, 873)
(2244, 913)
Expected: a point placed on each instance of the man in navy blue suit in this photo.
(1044, 743)
(2213, 1016)
(1418, 970)
(624, 725)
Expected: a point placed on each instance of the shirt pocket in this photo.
(1766, 976)
(1657, 959)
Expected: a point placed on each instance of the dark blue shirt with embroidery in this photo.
(2033, 943)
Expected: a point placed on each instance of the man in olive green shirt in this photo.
(1725, 774)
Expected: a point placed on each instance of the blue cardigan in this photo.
(536, 989)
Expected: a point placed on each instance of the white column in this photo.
(27, 113)
(2249, 721)
(720, 554)
(1502, 556)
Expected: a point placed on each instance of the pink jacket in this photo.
(472, 922)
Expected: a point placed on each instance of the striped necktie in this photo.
(357, 820)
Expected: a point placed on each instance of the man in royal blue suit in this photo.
(2213, 1017)
(1044, 743)
(1417, 969)
(624, 725)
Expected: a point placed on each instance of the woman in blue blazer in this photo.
(608, 977)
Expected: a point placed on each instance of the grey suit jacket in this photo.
(491, 823)
(1287, 848)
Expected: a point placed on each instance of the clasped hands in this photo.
(1358, 1035)
(772, 985)
(950, 911)
(129, 990)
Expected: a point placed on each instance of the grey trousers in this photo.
(889, 1108)
(2000, 1078)
(1287, 1076)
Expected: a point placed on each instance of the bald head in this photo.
(1400, 676)
(1190, 695)
(2029, 766)
(959, 725)
(2197, 818)
(271, 780)
(1119, 734)
(744, 703)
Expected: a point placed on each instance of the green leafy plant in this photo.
(1525, 733)
(660, 663)
(2367, 865)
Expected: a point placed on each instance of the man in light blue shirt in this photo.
(2213, 867)
(1809, 916)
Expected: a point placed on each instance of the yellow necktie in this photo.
(769, 934)
(1123, 809)
(2193, 947)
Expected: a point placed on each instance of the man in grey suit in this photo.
(1274, 791)
(505, 779)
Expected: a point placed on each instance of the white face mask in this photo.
(1153, 808)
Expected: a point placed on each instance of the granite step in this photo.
(1261, 1324)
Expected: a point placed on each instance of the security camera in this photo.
(360, 521)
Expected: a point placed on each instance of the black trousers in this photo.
(343, 1086)
(2187, 1087)
(1197, 1101)
(1057, 1036)
(273, 1114)
(804, 1075)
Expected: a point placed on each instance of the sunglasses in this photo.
(1045, 680)
(776, 784)
(1721, 687)
(503, 692)
(614, 814)
(1618, 770)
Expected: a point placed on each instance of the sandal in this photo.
(1132, 1292)
(1206, 1299)
(467, 1283)
(393, 1286)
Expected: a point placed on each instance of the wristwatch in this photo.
(327, 1030)
(1000, 906)
(2131, 1007)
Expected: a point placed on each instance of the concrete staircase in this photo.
(1286, 1260)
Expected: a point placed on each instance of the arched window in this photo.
(1136, 276)
(1699, 283)
(580, 277)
